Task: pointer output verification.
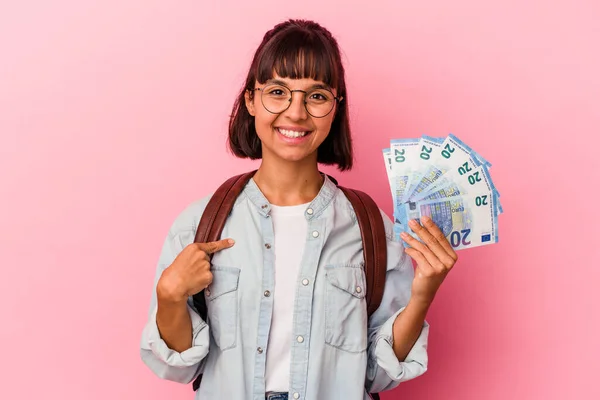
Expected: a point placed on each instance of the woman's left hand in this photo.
(434, 257)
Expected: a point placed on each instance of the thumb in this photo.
(213, 247)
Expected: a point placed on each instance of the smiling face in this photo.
(302, 56)
(293, 134)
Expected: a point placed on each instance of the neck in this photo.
(288, 184)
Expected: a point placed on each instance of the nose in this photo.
(297, 110)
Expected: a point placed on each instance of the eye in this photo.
(276, 91)
(320, 96)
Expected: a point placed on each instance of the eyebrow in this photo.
(315, 86)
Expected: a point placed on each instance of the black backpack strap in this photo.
(211, 225)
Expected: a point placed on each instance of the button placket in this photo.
(310, 264)
(267, 283)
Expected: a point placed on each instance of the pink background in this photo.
(113, 117)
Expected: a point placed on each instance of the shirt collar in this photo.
(315, 208)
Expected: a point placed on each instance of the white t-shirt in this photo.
(290, 228)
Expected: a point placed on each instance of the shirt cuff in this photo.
(415, 363)
(189, 357)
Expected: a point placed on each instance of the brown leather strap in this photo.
(379, 248)
(219, 206)
(372, 231)
(213, 220)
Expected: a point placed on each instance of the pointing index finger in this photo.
(213, 247)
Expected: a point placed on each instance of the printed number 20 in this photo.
(481, 201)
(447, 151)
(474, 178)
(456, 238)
(425, 152)
(400, 155)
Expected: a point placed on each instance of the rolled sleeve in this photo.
(386, 370)
(172, 365)
(172, 358)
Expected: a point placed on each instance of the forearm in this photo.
(175, 340)
(407, 327)
(174, 324)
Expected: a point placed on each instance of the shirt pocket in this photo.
(222, 302)
(345, 308)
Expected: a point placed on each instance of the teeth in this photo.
(292, 134)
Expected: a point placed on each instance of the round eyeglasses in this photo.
(319, 102)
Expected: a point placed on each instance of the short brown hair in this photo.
(295, 49)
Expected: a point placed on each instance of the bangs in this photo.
(298, 54)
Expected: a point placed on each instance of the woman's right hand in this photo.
(190, 271)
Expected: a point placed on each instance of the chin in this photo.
(293, 156)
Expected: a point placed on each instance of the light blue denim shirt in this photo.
(335, 353)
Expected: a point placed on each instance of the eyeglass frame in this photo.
(338, 99)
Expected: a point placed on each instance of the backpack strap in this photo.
(219, 206)
(372, 231)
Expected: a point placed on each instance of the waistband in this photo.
(276, 396)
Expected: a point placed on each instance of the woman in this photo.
(285, 288)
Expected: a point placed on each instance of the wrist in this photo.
(169, 293)
(418, 303)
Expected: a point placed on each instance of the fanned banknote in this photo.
(404, 155)
(447, 180)
(466, 221)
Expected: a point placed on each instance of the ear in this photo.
(249, 103)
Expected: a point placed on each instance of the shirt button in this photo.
(358, 289)
(267, 293)
(259, 350)
(309, 211)
(264, 206)
(305, 282)
(208, 292)
(296, 395)
(300, 339)
(315, 234)
(267, 245)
